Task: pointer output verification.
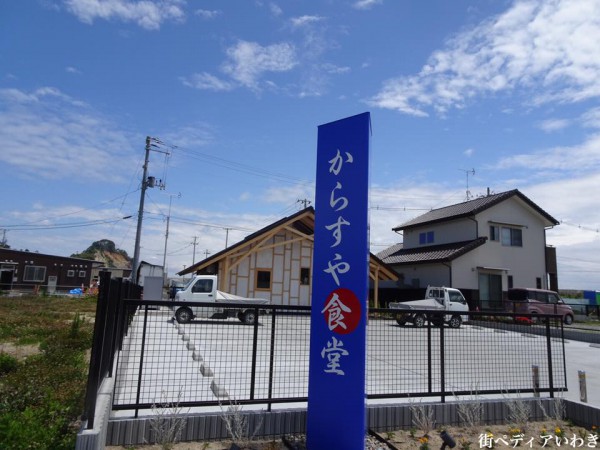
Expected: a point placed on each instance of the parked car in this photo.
(538, 301)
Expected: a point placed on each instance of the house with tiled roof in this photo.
(275, 262)
(482, 246)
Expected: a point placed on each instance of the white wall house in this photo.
(482, 246)
(276, 263)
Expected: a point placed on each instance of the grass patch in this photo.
(28, 320)
(41, 396)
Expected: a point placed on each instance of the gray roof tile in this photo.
(429, 254)
(470, 208)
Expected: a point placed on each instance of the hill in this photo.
(106, 252)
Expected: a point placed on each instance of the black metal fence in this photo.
(207, 361)
(110, 327)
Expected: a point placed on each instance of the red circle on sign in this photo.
(342, 311)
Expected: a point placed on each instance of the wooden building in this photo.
(276, 263)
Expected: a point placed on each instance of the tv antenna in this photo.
(467, 172)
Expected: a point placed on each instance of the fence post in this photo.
(549, 347)
(94, 374)
(139, 382)
(254, 352)
(271, 359)
(442, 365)
(115, 311)
(582, 386)
(429, 369)
(535, 373)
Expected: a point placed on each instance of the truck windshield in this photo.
(457, 297)
(187, 284)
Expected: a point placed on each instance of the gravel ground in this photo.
(535, 435)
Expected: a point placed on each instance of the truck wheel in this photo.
(419, 321)
(401, 319)
(455, 322)
(183, 315)
(249, 317)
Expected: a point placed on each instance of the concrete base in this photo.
(381, 418)
(95, 438)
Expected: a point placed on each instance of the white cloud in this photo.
(208, 14)
(591, 118)
(147, 14)
(469, 152)
(301, 21)
(551, 125)
(366, 4)
(248, 61)
(275, 9)
(71, 69)
(47, 134)
(546, 48)
(333, 69)
(580, 158)
(206, 81)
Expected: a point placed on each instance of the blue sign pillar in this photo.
(337, 373)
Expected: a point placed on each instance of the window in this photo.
(263, 279)
(538, 283)
(427, 237)
(494, 233)
(305, 276)
(34, 273)
(203, 286)
(70, 273)
(510, 282)
(457, 298)
(553, 298)
(512, 237)
(82, 274)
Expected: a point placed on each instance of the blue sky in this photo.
(236, 90)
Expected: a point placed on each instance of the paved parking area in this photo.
(211, 360)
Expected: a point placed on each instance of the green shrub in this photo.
(8, 363)
(39, 428)
(42, 397)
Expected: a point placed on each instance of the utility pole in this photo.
(167, 232)
(146, 183)
(194, 255)
(304, 202)
(138, 233)
(227, 236)
(472, 172)
(206, 253)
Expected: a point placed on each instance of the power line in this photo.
(243, 168)
(65, 225)
(581, 227)
(57, 216)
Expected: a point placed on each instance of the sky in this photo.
(464, 96)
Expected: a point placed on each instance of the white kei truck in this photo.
(444, 300)
(203, 288)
